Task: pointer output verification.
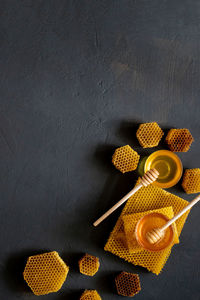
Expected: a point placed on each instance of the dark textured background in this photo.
(76, 79)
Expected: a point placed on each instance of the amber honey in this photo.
(149, 222)
(168, 165)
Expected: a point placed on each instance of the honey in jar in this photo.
(168, 165)
(149, 222)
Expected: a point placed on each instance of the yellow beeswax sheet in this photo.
(145, 199)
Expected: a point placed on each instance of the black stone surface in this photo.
(76, 79)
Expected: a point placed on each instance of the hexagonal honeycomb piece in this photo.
(179, 140)
(149, 134)
(89, 265)
(90, 295)
(127, 284)
(125, 159)
(45, 273)
(191, 181)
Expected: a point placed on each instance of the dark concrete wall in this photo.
(76, 79)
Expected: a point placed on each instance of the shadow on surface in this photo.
(106, 282)
(117, 184)
(103, 156)
(14, 267)
(71, 259)
(127, 132)
(115, 188)
(71, 295)
(163, 145)
(128, 267)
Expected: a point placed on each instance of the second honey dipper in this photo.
(156, 234)
(148, 178)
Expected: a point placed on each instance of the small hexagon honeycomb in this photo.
(191, 181)
(45, 273)
(127, 284)
(90, 295)
(125, 159)
(149, 134)
(89, 265)
(179, 140)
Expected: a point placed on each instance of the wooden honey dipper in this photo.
(156, 234)
(148, 178)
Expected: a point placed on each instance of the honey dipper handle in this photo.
(192, 203)
(112, 209)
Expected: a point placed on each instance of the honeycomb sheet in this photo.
(147, 198)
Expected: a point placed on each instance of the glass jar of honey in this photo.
(149, 222)
(168, 165)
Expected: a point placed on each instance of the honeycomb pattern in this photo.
(45, 273)
(191, 181)
(179, 140)
(125, 159)
(147, 198)
(90, 295)
(130, 221)
(127, 284)
(149, 134)
(89, 265)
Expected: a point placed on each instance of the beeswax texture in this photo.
(125, 159)
(149, 134)
(147, 198)
(89, 265)
(179, 140)
(191, 181)
(127, 284)
(45, 273)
